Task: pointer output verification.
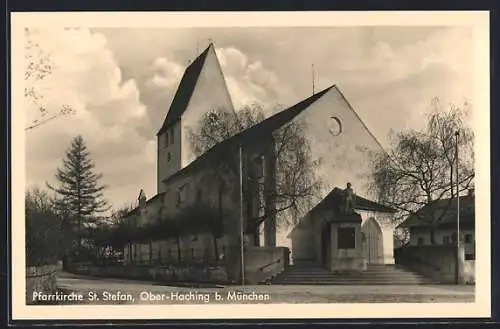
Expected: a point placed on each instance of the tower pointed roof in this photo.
(185, 90)
(252, 134)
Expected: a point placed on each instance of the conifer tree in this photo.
(80, 196)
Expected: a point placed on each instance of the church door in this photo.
(325, 243)
(373, 241)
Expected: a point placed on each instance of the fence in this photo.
(194, 273)
(184, 256)
(261, 263)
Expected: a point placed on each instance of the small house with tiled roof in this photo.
(440, 219)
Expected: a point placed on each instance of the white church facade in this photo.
(340, 143)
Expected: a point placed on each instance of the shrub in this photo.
(43, 229)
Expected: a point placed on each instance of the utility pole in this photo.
(242, 235)
(457, 276)
(313, 78)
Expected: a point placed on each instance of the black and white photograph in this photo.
(280, 164)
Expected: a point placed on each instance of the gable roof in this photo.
(436, 208)
(250, 135)
(184, 91)
(334, 199)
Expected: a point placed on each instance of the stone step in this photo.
(381, 278)
(352, 283)
(368, 270)
(312, 272)
(346, 280)
(351, 279)
(364, 277)
(340, 277)
(307, 271)
(374, 275)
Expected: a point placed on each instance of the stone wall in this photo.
(303, 242)
(470, 271)
(172, 273)
(435, 261)
(263, 263)
(40, 279)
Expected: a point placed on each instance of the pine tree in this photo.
(80, 196)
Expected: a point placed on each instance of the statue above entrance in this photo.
(349, 200)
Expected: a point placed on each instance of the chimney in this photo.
(470, 192)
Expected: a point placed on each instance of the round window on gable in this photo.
(334, 126)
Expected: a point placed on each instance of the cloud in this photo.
(166, 74)
(401, 78)
(108, 113)
(157, 84)
(121, 81)
(250, 81)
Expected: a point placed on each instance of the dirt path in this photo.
(117, 291)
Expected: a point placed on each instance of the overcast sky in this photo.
(121, 81)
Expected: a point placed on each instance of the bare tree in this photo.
(419, 169)
(294, 185)
(217, 125)
(38, 66)
(118, 215)
(297, 188)
(43, 232)
(401, 237)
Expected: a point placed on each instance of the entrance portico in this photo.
(340, 241)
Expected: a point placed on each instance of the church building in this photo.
(204, 193)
